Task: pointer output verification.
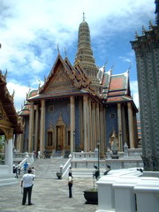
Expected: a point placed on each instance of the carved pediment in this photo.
(60, 82)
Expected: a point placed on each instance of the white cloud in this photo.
(19, 95)
(31, 30)
(125, 59)
(134, 92)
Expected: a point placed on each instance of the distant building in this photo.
(146, 48)
(79, 105)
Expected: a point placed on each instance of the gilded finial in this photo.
(65, 52)
(5, 75)
(106, 62)
(83, 16)
(150, 25)
(58, 49)
(13, 93)
(129, 68)
(112, 67)
(136, 35)
(143, 30)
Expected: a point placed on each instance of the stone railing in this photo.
(85, 155)
(66, 167)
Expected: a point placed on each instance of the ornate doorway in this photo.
(60, 134)
(59, 137)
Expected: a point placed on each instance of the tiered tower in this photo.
(146, 49)
(84, 55)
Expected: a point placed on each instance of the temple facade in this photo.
(79, 105)
(146, 48)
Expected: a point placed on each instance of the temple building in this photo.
(79, 105)
(9, 129)
(146, 47)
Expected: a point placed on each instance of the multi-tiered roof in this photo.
(82, 78)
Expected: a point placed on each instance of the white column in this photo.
(9, 155)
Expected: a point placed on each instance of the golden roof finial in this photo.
(84, 16)
(58, 49)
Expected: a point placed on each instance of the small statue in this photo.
(114, 143)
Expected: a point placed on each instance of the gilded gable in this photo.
(60, 82)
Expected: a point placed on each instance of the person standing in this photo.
(19, 168)
(70, 184)
(39, 154)
(27, 184)
(25, 166)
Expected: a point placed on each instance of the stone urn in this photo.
(59, 175)
(91, 196)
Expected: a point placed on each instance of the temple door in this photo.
(59, 137)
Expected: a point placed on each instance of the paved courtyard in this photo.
(49, 195)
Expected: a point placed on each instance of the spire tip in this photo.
(83, 16)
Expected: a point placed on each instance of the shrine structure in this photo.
(79, 105)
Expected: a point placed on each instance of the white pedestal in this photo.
(106, 193)
(124, 194)
(147, 194)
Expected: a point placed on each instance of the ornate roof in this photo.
(64, 80)
(84, 77)
(7, 109)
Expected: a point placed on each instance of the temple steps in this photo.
(47, 168)
(85, 172)
(8, 179)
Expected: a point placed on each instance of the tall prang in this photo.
(146, 49)
(84, 55)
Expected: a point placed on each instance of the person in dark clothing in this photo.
(70, 184)
(108, 169)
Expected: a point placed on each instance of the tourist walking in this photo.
(25, 166)
(70, 184)
(27, 184)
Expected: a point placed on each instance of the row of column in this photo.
(94, 125)
(130, 126)
(34, 127)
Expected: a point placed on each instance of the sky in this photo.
(32, 31)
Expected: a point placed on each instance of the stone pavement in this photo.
(49, 195)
